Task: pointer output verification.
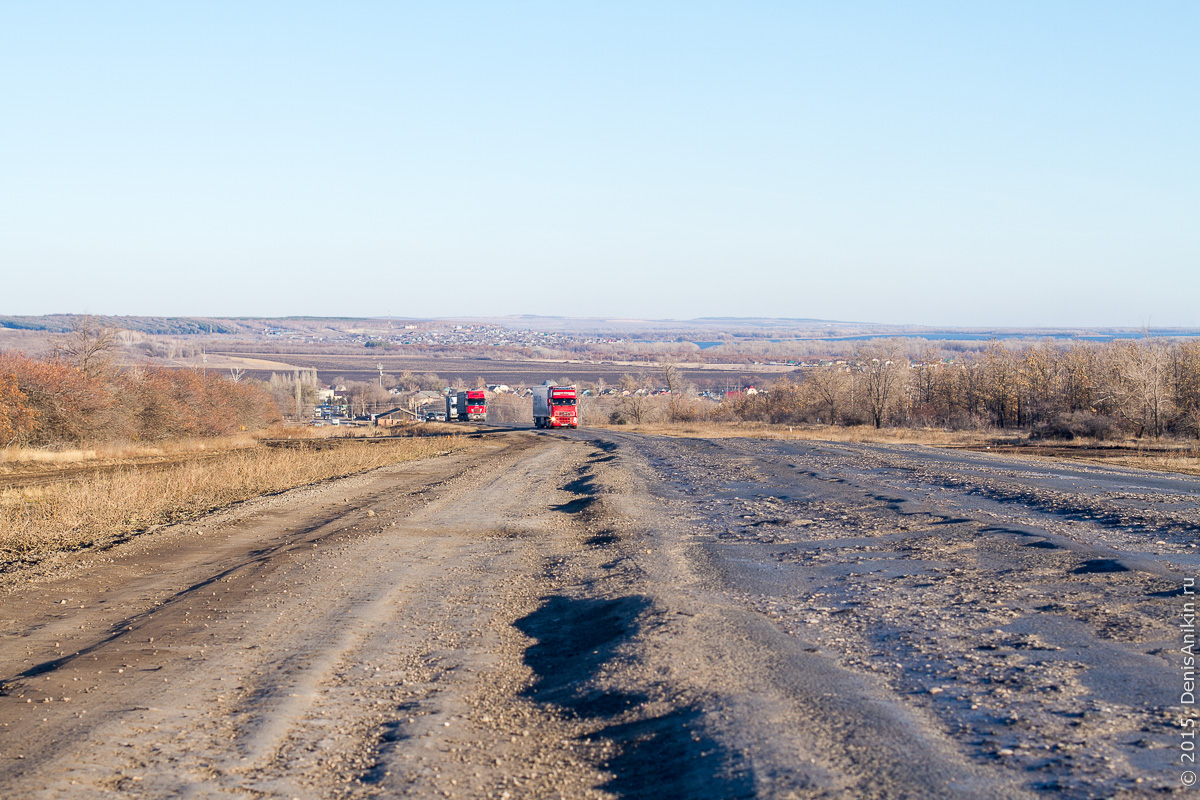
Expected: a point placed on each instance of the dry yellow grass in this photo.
(824, 433)
(21, 459)
(12, 457)
(80, 512)
(1184, 462)
(1162, 457)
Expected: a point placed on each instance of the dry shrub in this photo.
(1078, 425)
(509, 408)
(78, 513)
(53, 403)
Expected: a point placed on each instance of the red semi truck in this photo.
(555, 406)
(468, 406)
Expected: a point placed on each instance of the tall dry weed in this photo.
(15, 458)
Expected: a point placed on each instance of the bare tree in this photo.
(296, 393)
(407, 381)
(785, 402)
(1002, 395)
(1080, 378)
(1138, 386)
(1185, 363)
(90, 346)
(672, 379)
(883, 367)
(679, 389)
(831, 386)
(366, 398)
(510, 408)
(634, 405)
(1041, 377)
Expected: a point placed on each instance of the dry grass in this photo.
(11, 457)
(25, 459)
(81, 512)
(1162, 457)
(824, 433)
(1186, 462)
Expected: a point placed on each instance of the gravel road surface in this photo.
(596, 614)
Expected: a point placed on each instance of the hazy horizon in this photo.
(698, 327)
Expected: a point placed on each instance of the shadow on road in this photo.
(657, 755)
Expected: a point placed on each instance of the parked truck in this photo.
(555, 406)
(471, 406)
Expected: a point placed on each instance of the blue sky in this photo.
(947, 163)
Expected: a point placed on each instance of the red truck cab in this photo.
(555, 406)
(472, 406)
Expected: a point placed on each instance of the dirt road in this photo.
(595, 614)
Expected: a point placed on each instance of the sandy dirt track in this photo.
(596, 615)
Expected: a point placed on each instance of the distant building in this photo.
(393, 417)
(425, 398)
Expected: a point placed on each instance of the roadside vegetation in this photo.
(106, 506)
(1144, 389)
(79, 397)
(1128, 402)
(813, 432)
(92, 452)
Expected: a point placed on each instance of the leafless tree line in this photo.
(1147, 387)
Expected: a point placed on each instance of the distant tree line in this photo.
(1146, 388)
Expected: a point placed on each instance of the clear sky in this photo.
(1014, 163)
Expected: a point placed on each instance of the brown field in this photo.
(510, 371)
